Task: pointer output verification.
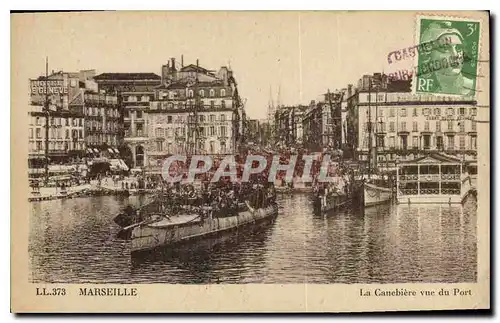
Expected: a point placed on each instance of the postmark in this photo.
(449, 69)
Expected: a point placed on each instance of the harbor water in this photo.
(74, 241)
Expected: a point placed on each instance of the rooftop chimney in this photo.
(173, 63)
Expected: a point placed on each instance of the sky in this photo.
(298, 54)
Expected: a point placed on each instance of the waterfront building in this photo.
(324, 122)
(408, 126)
(194, 110)
(289, 125)
(66, 132)
(134, 92)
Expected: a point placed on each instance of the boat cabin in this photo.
(435, 178)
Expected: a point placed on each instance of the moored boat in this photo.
(165, 231)
(375, 195)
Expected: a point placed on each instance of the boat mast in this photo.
(196, 128)
(369, 127)
(47, 117)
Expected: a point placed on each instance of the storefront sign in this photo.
(52, 87)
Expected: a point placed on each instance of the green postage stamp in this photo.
(447, 56)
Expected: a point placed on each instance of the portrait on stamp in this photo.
(447, 63)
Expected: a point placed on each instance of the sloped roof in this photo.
(127, 76)
(433, 158)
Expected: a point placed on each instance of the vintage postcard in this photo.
(266, 161)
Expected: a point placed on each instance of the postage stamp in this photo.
(452, 67)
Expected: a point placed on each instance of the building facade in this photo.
(194, 111)
(134, 92)
(400, 125)
(66, 130)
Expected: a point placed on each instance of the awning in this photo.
(96, 150)
(116, 150)
(89, 150)
(110, 150)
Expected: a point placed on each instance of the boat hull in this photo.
(324, 205)
(147, 237)
(375, 195)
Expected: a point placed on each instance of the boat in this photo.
(330, 202)
(164, 231)
(436, 178)
(160, 225)
(376, 194)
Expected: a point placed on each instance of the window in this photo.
(139, 114)
(223, 104)
(473, 125)
(473, 142)
(462, 142)
(212, 131)
(403, 112)
(415, 141)
(223, 131)
(190, 93)
(450, 125)
(415, 126)
(462, 126)
(169, 119)
(380, 112)
(67, 121)
(474, 111)
(131, 98)
(159, 132)
(139, 130)
(38, 145)
(31, 133)
(391, 126)
(223, 146)
(415, 112)
(426, 126)
(380, 97)
(80, 122)
(212, 147)
(437, 111)
(37, 121)
(391, 112)
(461, 111)
(212, 118)
(380, 141)
(202, 131)
(212, 93)
(451, 142)
(67, 133)
(145, 98)
(382, 127)
(450, 111)
(438, 126)
(80, 134)
(392, 142)
(223, 92)
(202, 118)
(427, 111)
(159, 145)
(202, 93)
(171, 95)
(403, 126)
(212, 104)
(126, 114)
(222, 117)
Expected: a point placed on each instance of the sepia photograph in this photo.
(267, 148)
